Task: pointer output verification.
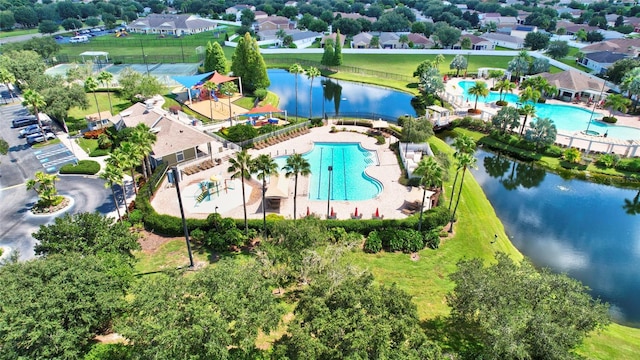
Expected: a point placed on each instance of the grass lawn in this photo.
(6, 34)
(88, 145)
(76, 119)
(43, 144)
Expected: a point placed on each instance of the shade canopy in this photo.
(191, 81)
(278, 188)
(266, 109)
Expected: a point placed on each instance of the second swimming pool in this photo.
(348, 178)
(565, 117)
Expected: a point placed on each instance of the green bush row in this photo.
(86, 167)
(100, 152)
(405, 240)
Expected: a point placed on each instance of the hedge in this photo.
(86, 167)
(100, 152)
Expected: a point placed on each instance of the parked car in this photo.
(38, 138)
(33, 129)
(24, 121)
(79, 39)
(58, 37)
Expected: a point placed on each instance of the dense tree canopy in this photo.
(53, 307)
(519, 312)
(247, 63)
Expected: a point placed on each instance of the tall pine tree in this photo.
(337, 56)
(327, 56)
(215, 59)
(248, 64)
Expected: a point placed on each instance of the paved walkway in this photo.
(229, 202)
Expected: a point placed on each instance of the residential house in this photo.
(291, 3)
(477, 43)
(420, 41)
(572, 28)
(361, 41)
(273, 23)
(600, 61)
(175, 141)
(630, 47)
(500, 21)
(173, 25)
(504, 40)
(259, 15)
(237, 10)
(333, 36)
(521, 31)
(302, 39)
(572, 82)
(389, 40)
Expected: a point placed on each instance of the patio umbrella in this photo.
(377, 213)
(356, 212)
(308, 212)
(332, 212)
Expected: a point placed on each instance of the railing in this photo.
(361, 115)
(225, 142)
(273, 134)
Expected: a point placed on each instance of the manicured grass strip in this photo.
(76, 119)
(427, 280)
(6, 34)
(88, 145)
(614, 342)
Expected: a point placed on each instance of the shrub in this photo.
(405, 240)
(261, 94)
(373, 243)
(93, 134)
(610, 119)
(174, 109)
(380, 140)
(86, 167)
(432, 239)
(104, 141)
(315, 122)
(553, 151)
(241, 132)
(136, 216)
(631, 165)
(608, 160)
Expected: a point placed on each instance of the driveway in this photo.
(17, 223)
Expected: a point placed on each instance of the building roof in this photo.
(573, 80)
(624, 46)
(172, 136)
(386, 37)
(474, 39)
(333, 36)
(605, 57)
(419, 39)
(503, 37)
(168, 21)
(278, 20)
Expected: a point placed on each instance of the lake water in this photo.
(340, 97)
(570, 226)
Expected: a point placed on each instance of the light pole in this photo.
(408, 119)
(330, 168)
(595, 103)
(144, 57)
(174, 170)
(324, 88)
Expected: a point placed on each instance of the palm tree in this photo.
(527, 110)
(240, 167)
(464, 145)
(35, 101)
(91, 85)
(529, 94)
(296, 165)
(105, 78)
(479, 89)
(210, 86)
(464, 161)
(403, 39)
(431, 178)
(7, 78)
(312, 72)
(143, 140)
(117, 164)
(264, 166)
(505, 86)
(616, 102)
(112, 175)
(296, 69)
(45, 186)
(229, 88)
(130, 158)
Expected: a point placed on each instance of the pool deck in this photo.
(389, 202)
(576, 139)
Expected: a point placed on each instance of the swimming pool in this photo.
(348, 178)
(565, 117)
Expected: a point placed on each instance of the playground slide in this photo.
(202, 196)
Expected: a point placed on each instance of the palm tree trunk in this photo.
(133, 182)
(475, 107)
(453, 189)
(109, 96)
(295, 195)
(115, 202)
(264, 208)
(524, 123)
(98, 108)
(244, 205)
(424, 195)
(453, 215)
(124, 197)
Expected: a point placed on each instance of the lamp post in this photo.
(144, 57)
(324, 88)
(604, 82)
(406, 147)
(174, 170)
(330, 168)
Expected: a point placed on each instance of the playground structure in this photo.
(121, 32)
(206, 188)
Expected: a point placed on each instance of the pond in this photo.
(340, 97)
(583, 229)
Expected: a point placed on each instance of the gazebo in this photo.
(439, 111)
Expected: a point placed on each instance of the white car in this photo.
(33, 129)
(38, 138)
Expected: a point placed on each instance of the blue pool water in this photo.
(565, 117)
(348, 179)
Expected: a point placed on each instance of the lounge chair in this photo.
(408, 212)
(359, 216)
